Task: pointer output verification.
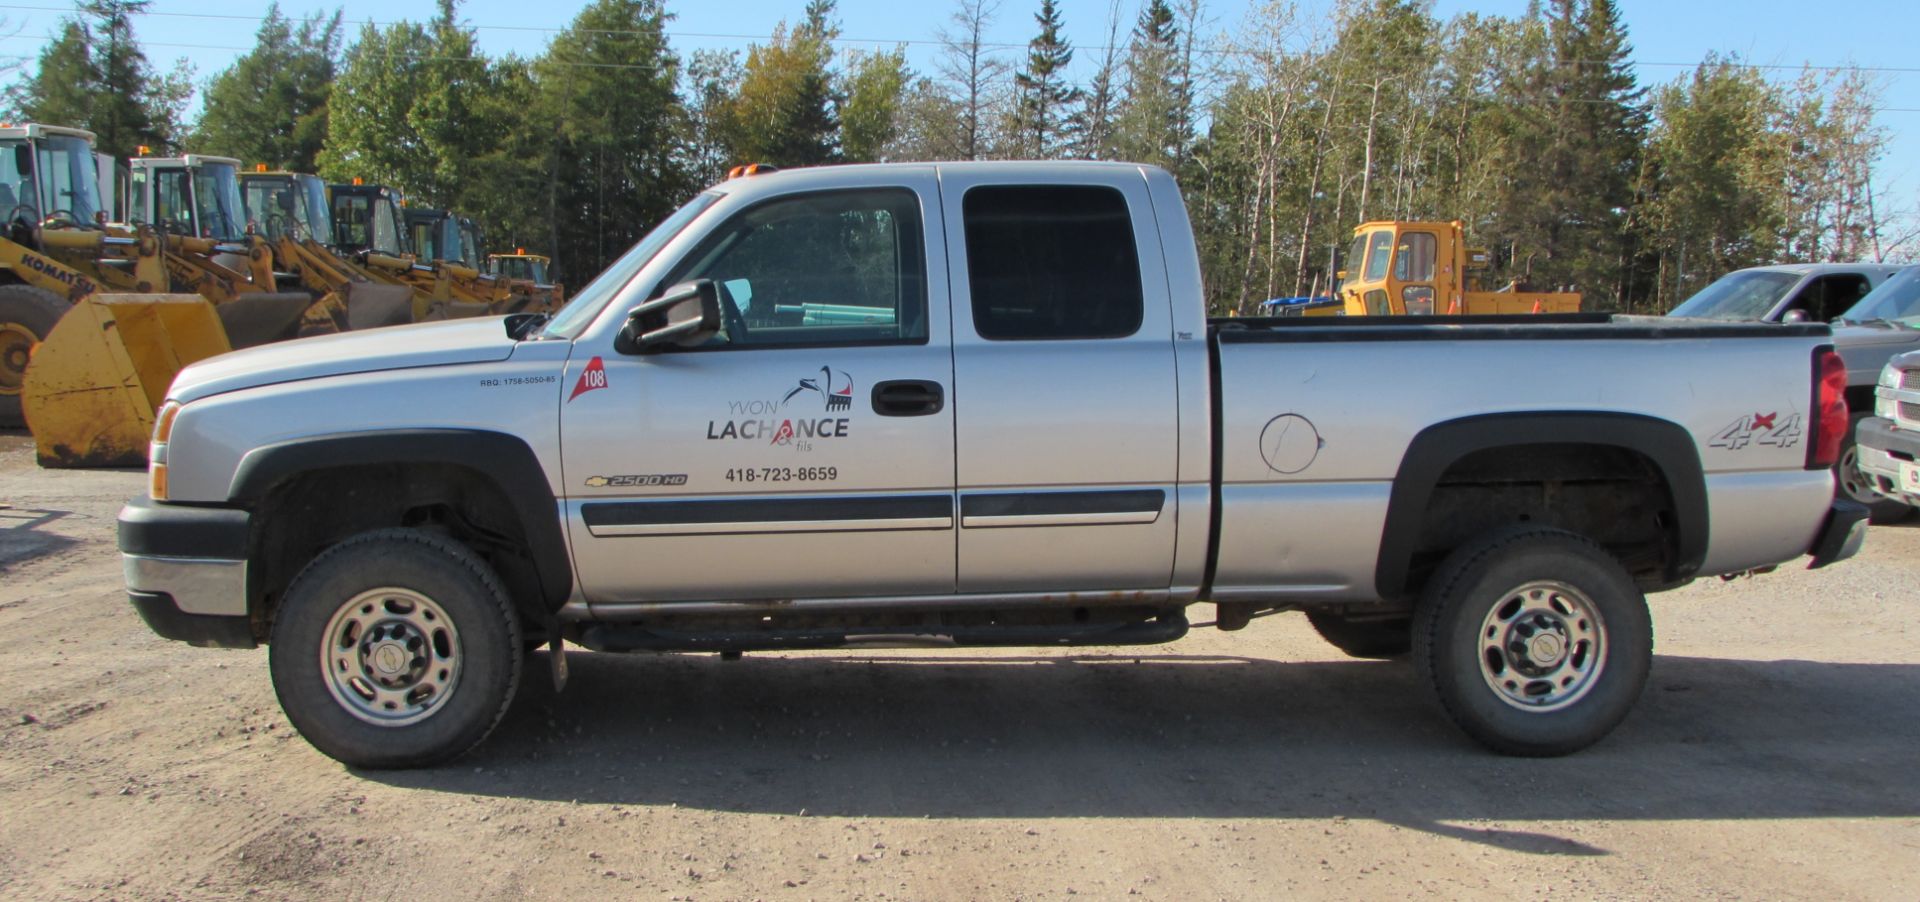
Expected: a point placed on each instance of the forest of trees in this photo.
(1285, 131)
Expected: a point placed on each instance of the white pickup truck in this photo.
(967, 405)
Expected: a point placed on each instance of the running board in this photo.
(627, 637)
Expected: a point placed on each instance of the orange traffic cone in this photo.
(1536, 305)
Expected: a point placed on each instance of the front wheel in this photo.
(1534, 641)
(27, 316)
(395, 648)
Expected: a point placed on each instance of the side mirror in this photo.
(686, 315)
(1796, 315)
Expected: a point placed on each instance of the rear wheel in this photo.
(1382, 638)
(1534, 641)
(27, 314)
(395, 648)
(1854, 483)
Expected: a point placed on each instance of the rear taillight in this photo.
(1829, 408)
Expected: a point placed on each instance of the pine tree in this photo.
(614, 165)
(1154, 124)
(1043, 96)
(95, 76)
(784, 111)
(270, 105)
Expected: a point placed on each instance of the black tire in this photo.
(479, 626)
(1465, 602)
(1850, 482)
(1373, 639)
(27, 314)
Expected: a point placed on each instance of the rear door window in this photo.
(1052, 262)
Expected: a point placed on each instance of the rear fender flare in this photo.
(505, 460)
(1438, 447)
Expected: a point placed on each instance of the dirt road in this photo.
(1775, 754)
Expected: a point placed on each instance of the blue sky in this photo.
(1669, 36)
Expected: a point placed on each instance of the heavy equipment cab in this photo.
(290, 204)
(48, 173)
(367, 218)
(1425, 268)
(520, 265)
(440, 235)
(193, 195)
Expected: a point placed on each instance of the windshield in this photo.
(1377, 252)
(317, 219)
(272, 205)
(216, 189)
(68, 181)
(17, 194)
(1746, 295)
(469, 245)
(597, 293)
(1896, 300)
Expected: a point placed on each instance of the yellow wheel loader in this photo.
(55, 247)
(183, 283)
(1425, 268)
(532, 269)
(291, 212)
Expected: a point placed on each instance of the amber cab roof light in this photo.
(751, 169)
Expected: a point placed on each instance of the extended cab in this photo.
(967, 405)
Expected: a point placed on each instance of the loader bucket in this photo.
(255, 319)
(371, 305)
(92, 386)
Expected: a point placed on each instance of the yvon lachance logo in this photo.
(787, 420)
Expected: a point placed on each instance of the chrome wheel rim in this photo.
(1854, 482)
(1542, 646)
(390, 657)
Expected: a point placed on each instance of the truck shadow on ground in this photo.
(21, 536)
(1185, 736)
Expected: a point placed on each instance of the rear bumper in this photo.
(1883, 447)
(1842, 535)
(186, 571)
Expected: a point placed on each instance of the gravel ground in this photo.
(1773, 755)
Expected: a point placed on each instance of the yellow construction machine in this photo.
(531, 269)
(180, 283)
(1425, 268)
(450, 244)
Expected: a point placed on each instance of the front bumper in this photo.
(186, 571)
(1883, 447)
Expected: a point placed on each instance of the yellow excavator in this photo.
(1426, 268)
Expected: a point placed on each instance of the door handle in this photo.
(907, 398)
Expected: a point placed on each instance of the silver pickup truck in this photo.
(967, 405)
